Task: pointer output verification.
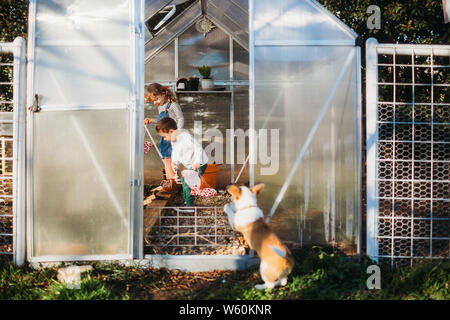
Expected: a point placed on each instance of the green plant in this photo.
(205, 71)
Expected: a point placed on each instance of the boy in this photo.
(185, 150)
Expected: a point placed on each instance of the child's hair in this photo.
(156, 89)
(166, 124)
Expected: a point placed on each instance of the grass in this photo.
(319, 273)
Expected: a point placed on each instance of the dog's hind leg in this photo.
(267, 283)
(284, 277)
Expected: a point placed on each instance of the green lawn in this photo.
(319, 274)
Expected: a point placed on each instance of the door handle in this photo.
(35, 107)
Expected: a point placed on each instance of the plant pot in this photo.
(207, 84)
(192, 84)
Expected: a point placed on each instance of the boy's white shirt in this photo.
(186, 150)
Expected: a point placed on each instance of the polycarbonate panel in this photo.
(295, 20)
(241, 59)
(82, 20)
(81, 185)
(241, 122)
(172, 30)
(242, 4)
(196, 50)
(82, 75)
(241, 62)
(162, 66)
(230, 16)
(292, 84)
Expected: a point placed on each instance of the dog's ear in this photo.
(235, 191)
(258, 188)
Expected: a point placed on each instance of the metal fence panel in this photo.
(12, 150)
(408, 152)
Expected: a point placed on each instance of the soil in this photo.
(163, 284)
(6, 220)
(201, 231)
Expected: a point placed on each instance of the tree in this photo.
(13, 23)
(13, 19)
(402, 21)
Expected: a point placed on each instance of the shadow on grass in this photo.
(324, 273)
(319, 273)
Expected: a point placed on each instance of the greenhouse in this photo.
(284, 111)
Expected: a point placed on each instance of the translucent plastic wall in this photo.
(232, 16)
(80, 140)
(80, 189)
(306, 89)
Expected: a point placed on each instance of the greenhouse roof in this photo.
(299, 20)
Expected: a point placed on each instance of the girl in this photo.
(164, 99)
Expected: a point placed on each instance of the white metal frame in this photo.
(373, 121)
(17, 48)
(136, 110)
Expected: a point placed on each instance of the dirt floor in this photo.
(163, 284)
(201, 231)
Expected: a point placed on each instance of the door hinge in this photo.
(138, 30)
(135, 183)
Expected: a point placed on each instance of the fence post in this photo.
(371, 143)
(19, 148)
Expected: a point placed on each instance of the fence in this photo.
(408, 152)
(190, 231)
(12, 150)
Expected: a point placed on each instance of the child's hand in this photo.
(148, 120)
(196, 166)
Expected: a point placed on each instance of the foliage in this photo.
(13, 23)
(205, 71)
(323, 274)
(402, 21)
(319, 273)
(13, 19)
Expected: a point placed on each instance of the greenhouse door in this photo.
(84, 145)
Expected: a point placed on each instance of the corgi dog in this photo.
(245, 216)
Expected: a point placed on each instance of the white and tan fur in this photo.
(245, 216)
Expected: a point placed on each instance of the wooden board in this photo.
(152, 211)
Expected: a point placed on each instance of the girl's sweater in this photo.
(174, 112)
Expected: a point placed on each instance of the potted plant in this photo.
(207, 81)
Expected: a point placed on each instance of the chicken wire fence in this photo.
(408, 152)
(6, 150)
(190, 231)
(12, 91)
